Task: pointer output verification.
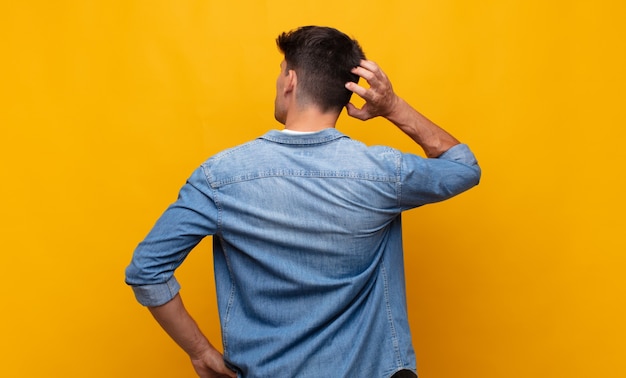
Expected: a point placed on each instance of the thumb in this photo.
(357, 113)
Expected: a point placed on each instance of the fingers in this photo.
(364, 73)
(368, 68)
(370, 71)
(354, 87)
(379, 84)
(379, 98)
(370, 65)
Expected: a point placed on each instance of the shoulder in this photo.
(239, 149)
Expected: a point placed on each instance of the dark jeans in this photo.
(404, 374)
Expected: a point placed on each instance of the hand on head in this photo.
(380, 99)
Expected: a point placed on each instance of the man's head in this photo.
(322, 59)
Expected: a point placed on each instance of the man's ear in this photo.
(291, 81)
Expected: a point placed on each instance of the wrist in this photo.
(399, 113)
(199, 348)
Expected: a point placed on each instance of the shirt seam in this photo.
(303, 174)
(231, 299)
(394, 333)
(399, 179)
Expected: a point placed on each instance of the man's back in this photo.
(308, 250)
(308, 257)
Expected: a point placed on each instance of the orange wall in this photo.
(107, 107)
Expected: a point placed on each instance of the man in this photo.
(306, 227)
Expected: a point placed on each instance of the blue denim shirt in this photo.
(307, 250)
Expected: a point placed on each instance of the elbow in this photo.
(475, 175)
(461, 181)
(472, 177)
(133, 276)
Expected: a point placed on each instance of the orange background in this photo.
(107, 107)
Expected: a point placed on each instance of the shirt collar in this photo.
(319, 137)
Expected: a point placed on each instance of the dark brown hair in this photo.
(322, 58)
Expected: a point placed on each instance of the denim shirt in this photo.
(307, 248)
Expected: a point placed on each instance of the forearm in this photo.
(433, 139)
(207, 361)
(180, 326)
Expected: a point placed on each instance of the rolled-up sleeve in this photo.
(156, 294)
(424, 181)
(179, 229)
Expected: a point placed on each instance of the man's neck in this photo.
(310, 120)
